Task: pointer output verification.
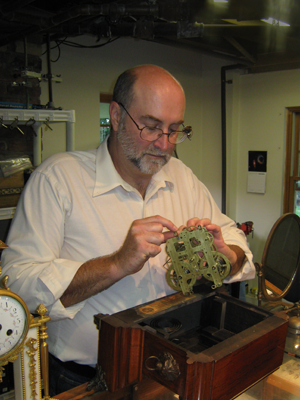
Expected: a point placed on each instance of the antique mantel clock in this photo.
(23, 342)
(14, 324)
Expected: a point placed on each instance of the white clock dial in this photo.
(13, 324)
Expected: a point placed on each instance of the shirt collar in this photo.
(107, 177)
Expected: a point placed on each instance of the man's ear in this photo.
(115, 115)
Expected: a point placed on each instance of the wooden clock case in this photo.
(205, 346)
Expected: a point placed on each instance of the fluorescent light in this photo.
(274, 21)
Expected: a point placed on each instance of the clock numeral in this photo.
(13, 318)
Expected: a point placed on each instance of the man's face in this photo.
(148, 157)
(158, 102)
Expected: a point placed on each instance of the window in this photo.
(291, 201)
(105, 100)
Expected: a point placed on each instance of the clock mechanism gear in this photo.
(191, 255)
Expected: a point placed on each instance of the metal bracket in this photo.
(40, 76)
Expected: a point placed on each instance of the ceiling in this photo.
(231, 30)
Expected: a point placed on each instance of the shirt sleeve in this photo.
(233, 235)
(32, 261)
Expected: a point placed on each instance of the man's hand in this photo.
(143, 241)
(234, 253)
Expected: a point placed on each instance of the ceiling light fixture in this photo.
(274, 21)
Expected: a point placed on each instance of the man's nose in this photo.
(162, 142)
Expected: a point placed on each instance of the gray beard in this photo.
(140, 157)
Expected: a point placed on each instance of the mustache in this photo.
(156, 152)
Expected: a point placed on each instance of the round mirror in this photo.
(278, 273)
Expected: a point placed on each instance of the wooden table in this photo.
(281, 385)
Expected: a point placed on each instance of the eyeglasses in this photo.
(151, 134)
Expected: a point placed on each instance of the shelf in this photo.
(42, 115)
(36, 118)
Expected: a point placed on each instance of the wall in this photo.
(257, 121)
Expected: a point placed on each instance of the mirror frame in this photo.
(277, 294)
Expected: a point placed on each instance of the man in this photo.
(89, 231)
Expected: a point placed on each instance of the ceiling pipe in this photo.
(45, 24)
(147, 29)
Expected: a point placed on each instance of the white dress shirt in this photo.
(75, 207)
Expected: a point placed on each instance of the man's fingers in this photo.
(158, 222)
(197, 221)
(168, 235)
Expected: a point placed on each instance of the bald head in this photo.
(152, 74)
(147, 79)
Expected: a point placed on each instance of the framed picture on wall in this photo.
(257, 161)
